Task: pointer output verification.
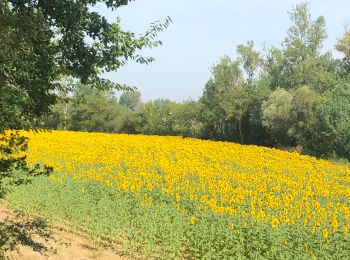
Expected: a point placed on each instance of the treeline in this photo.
(294, 95)
(88, 109)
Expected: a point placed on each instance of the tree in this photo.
(276, 116)
(305, 36)
(300, 61)
(224, 100)
(95, 110)
(157, 118)
(165, 117)
(59, 116)
(343, 46)
(250, 59)
(43, 40)
(131, 100)
(228, 94)
(187, 120)
(333, 123)
(304, 120)
(254, 131)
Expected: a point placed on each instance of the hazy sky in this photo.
(203, 31)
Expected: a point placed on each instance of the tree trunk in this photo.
(240, 130)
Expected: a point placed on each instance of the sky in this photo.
(205, 30)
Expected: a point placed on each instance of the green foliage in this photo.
(42, 40)
(131, 100)
(250, 59)
(95, 110)
(255, 132)
(276, 115)
(305, 36)
(343, 46)
(320, 124)
(187, 119)
(285, 99)
(299, 62)
(156, 117)
(303, 116)
(333, 128)
(88, 109)
(59, 116)
(164, 117)
(230, 100)
(224, 101)
(27, 67)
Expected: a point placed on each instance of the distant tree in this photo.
(276, 116)
(228, 95)
(187, 119)
(333, 123)
(299, 74)
(224, 100)
(305, 36)
(59, 116)
(303, 116)
(95, 111)
(300, 61)
(254, 130)
(131, 100)
(250, 59)
(343, 46)
(156, 117)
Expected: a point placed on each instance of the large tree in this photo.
(41, 40)
(225, 101)
(228, 95)
(300, 61)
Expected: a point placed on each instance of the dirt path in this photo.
(30, 238)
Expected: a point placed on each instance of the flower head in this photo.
(193, 220)
(325, 233)
(275, 222)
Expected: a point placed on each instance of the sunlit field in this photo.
(283, 203)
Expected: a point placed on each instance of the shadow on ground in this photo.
(18, 231)
(25, 237)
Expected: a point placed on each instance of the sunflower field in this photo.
(190, 198)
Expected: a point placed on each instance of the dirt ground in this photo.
(31, 238)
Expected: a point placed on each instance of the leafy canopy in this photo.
(41, 40)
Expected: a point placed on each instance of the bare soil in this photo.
(27, 238)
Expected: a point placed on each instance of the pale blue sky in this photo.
(203, 31)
